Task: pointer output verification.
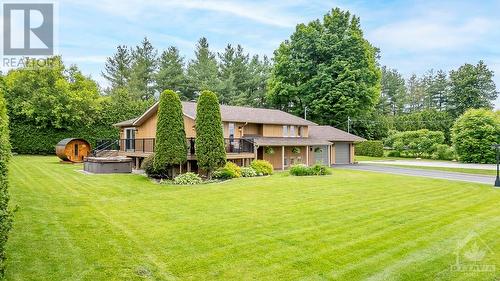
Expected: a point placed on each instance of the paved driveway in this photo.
(419, 173)
(428, 163)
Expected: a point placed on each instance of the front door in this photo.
(320, 155)
(130, 139)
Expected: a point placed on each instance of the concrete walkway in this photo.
(420, 173)
(428, 163)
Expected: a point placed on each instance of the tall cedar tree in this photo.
(202, 71)
(472, 86)
(171, 146)
(171, 74)
(144, 66)
(5, 214)
(209, 145)
(329, 67)
(117, 68)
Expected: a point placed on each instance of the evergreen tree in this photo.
(117, 68)
(202, 71)
(392, 98)
(171, 146)
(144, 66)
(415, 94)
(256, 85)
(171, 73)
(438, 90)
(472, 86)
(329, 67)
(209, 146)
(5, 154)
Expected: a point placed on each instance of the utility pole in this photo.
(348, 124)
(305, 112)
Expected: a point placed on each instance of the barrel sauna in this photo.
(73, 150)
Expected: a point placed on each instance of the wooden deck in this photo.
(230, 156)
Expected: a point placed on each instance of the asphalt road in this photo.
(420, 173)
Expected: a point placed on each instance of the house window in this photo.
(292, 131)
(285, 131)
(301, 131)
(231, 130)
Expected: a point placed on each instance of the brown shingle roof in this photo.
(267, 141)
(331, 134)
(125, 123)
(238, 114)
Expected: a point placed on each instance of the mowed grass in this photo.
(447, 169)
(349, 226)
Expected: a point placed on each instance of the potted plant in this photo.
(296, 150)
(269, 150)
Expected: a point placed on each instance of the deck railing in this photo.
(147, 145)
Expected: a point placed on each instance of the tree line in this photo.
(236, 76)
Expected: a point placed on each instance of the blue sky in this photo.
(413, 36)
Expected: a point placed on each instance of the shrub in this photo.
(320, 170)
(394, 153)
(209, 145)
(150, 170)
(473, 134)
(315, 170)
(300, 170)
(170, 147)
(262, 167)
(187, 179)
(229, 171)
(248, 172)
(416, 143)
(370, 148)
(444, 152)
(5, 154)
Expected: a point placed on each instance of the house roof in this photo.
(125, 123)
(331, 134)
(270, 141)
(231, 114)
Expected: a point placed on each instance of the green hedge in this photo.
(370, 148)
(5, 213)
(29, 139)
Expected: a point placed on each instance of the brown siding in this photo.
(147, 129)
(272, 130)
(188, 127)
(252, 129)
(276, 158)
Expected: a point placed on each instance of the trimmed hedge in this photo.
(5, 154)
(315, 170)
(370, 148)
(29, 139)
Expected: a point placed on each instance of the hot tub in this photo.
(107, 165)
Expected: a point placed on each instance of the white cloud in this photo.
(426, 34)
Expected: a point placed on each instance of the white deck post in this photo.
(329, 155)
(283, 158)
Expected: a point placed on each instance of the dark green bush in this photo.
(370, 148)
(171, 146)
(150, 170)
(421, 143)
(210, 148)
(394, 153)
(444, 152)
(262, 167)
(473, 134)
(320, 170)
(5, 154)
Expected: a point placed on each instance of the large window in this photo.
(285, 131)
(292, 131)
(231, 130)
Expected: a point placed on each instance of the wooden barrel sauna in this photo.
(73, 150)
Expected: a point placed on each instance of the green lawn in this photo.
(349, 226)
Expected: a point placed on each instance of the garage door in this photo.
(342, 153)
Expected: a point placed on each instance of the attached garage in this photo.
(342, 149)
(342, 153)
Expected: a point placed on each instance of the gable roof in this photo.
(332, 134)
(231, 114)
